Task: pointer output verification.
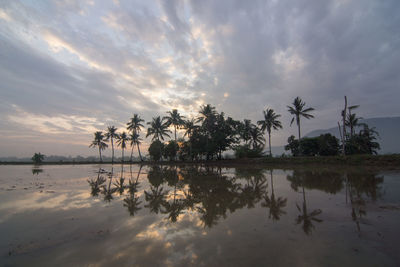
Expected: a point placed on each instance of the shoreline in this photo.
(354, 160)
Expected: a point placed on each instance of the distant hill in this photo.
(388, 129)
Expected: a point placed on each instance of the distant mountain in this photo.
(388, 129)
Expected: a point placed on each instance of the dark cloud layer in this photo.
(74, 66)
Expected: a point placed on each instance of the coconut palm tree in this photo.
(99, 142)
(111, 133)
(245, 130)
(122, 142)
(352, 122)
(135, 140)
(175, 119)
(270, 122)
(299, 111)
(190, 126)
(256, 137)
(135, 126)
(158, 128)
(38, 158)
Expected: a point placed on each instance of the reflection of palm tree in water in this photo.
(155, 198)
(174, 208)
(131, 201)
(108, 191)
(307, 218)
(95, 184)
(275, 205)
(120, 184)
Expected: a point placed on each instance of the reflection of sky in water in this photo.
(225, 216)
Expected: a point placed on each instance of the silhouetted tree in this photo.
(99, 142)
(298, 110)
(111, 134)
(270, 122)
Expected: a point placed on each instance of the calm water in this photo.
(200, 216)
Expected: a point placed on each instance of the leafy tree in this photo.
(309, 146)
(293, 145)
(175, 119)
(155, 150)
(244, 151)
(158, 128)
(122, 142)
(328, 145)
(270, 122)
(38, 158)
(298, 110)
(111, 134)
(170, 150)
(99, 142)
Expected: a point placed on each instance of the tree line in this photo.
(213, 194)
(211, 133)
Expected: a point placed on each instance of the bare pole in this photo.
(344, 126)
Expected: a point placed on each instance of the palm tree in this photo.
(158, 128)
(299, 111)
(174, 119)
(206, 113)
(134, 126)
(99, 142)
(256, 137)
(190, 126)
(352, 122)
(122, 141)
(111, 134)
(270, 122)
(246, 127)
(135, 140)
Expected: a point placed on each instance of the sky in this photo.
(71, 67)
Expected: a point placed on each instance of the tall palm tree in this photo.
(270, 122)
(99, 142)
(158, 128)
(299, 111)
(122, 142)
(306, 218)
(175, 119)
(135, 126)
(111, 133)
(135, 140)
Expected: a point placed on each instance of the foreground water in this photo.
(196, 215)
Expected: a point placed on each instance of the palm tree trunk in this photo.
(298, 126)
(101, 160)
(140, 155)
(132, 152)
(112, 146)
(269, 141)
(122, 154)
(175, 132)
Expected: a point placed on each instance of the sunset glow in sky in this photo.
(71, 67)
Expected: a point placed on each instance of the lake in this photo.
(196, 215)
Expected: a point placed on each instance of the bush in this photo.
(244, 151)
(323, 145)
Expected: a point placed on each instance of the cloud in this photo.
(107, 60)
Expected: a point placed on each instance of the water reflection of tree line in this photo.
(212, 194)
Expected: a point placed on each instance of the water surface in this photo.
(198, 215)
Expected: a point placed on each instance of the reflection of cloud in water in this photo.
(36, 200)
